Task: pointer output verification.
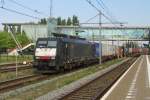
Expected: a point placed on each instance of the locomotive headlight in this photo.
(53, 57)
(37, 57)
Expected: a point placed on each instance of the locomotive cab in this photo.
(45, 54)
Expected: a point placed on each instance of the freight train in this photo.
(64, 52)
(137, 51)
(107, 51)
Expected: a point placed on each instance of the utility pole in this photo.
(2, 2)
(49, 21)
(100, 34)
(18, 47)
(51, 8)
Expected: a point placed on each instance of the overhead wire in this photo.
(26, 7)
(110, 14)
(14, 11)
(91, 18)
(100, 4)
(97, 9)
(21, 13)
(109, 19)
(106, 9)
(2, 2)
(105, 16)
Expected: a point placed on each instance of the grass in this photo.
(34, 93)
(12, 75)
(11, 59)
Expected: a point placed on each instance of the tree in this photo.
(14, 29)
(43, 21)
(59, 21)
(75, 20)
(69, 21)
(23, 39)
(6, 40)
(19, 29)
(63, 22)
(5, 28)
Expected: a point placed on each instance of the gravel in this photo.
(57, 94)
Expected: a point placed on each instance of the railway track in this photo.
(20, 82)
(97, 88)
(13, 68)
(13, 84)
(12, 64)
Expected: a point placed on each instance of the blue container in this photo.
(97, 53)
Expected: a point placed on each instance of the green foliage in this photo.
(69, 22)
(6, 40)
(43, 21)
(75, 20)
(19, 29)
(59, 21)
(63, 22)
(5, 28)
(14, 29)
(23, 39)
(145, 36)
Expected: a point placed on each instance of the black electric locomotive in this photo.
(63, 52)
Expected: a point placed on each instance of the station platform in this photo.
(134, 84)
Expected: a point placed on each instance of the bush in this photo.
(6, 41)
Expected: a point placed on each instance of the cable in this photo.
(3, 2)
(100, 11)
(14, 11)
(91, 18)
(102, 4)
(23, 6)
(104, 7)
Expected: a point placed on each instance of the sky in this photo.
(133, 12)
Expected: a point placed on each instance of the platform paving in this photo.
(134, 84)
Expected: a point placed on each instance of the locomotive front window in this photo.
(42, 44)
(51, 44)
